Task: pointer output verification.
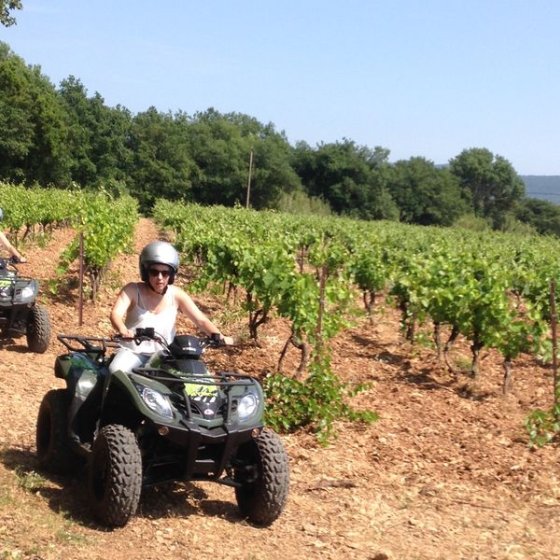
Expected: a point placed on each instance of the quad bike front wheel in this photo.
(53, 446)
(115, 475)
(264, 477)
(38, 329)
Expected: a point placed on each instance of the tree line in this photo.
(63, 137)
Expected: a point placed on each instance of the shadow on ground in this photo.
(67, 495)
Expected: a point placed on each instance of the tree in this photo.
(33, 128)
(425, 194)
(110, 145)
(351, 178)
(489, 182)
(98, 136)
(221, 154)
(16, 129)
(221, 145)
(273, 176)
(80, 129)
(6, 6)
(161, 162)
(543, 215)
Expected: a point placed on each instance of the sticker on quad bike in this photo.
(205, 395)
(6, 285)
(203, 392)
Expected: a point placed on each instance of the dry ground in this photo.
(446, 473)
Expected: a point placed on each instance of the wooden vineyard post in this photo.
(81, 281)
(553, 326)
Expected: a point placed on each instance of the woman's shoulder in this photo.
(174, 292)
(131, 288)
(178, 294)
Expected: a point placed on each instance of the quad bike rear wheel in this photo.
(264, 476)
(115, 475)
(54, 449)
(38, 329)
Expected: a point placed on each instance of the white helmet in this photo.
(159, 252)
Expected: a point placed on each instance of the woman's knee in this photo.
(124, 360)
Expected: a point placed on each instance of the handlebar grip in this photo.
(217, 339)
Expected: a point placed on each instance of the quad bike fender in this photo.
(82, 375)
(72, 366)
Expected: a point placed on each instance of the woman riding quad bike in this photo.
(159, 417)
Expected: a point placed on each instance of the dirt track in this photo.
(445, 473)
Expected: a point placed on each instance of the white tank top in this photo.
(163, 322)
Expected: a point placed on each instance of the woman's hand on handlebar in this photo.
(218, 339)
(126, 333)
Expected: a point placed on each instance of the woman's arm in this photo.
(119, 311)
(10, 248)
(187, 306)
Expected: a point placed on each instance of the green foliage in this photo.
(492, 288)
(107, 229)
(542, 215)
(425, 194)
(162, 164)
(221, 146)
(489, 182)
(30, 480)
(25, 208)
(368, 266)
(352, 179)
(472, 223)
(317, 402)
(33, 132)
(543, 426)
(105, 223)
(519, 227)
(98, 137)
(300, 203)
(7, 6)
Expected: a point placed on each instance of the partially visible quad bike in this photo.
(170, 420)
(20, 314)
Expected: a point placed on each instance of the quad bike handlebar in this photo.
(6, 262)
(78, 343)
(214, 340)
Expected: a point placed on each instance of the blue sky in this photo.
(423, 78)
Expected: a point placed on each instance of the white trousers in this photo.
(126, 360)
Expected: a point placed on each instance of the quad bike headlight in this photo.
(27, 293)
(157, 402)
(247, 406)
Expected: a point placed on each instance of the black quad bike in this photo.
(20, 314)
(170, 420)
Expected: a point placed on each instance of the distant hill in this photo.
(544, 187)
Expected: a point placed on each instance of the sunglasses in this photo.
(154, 273)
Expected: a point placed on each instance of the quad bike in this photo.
(170, 420)
(20, 314)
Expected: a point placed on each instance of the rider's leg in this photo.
(126, 360)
